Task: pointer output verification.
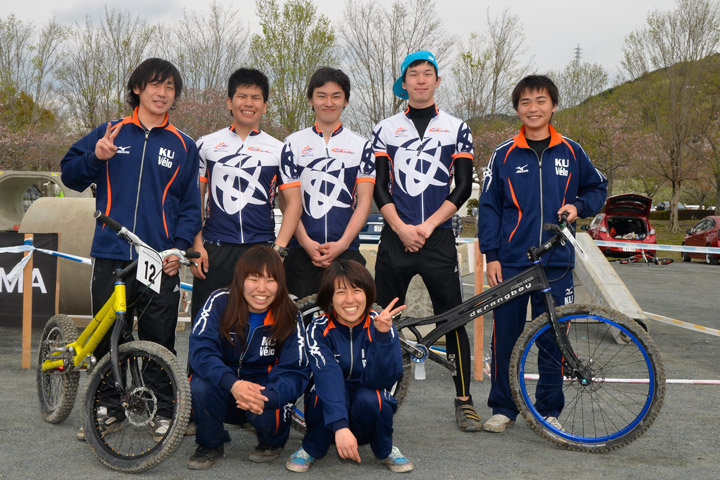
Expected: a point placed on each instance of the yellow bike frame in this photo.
(89, 339)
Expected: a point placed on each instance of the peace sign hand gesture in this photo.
(105, 148)
(383, 320)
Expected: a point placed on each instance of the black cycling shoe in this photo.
(205, 457)
(467, 418)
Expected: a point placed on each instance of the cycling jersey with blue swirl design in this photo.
(421, 169)
(242, 177)
(329, 174)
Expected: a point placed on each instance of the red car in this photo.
(625, 220)
(706, 233)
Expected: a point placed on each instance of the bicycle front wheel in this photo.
(56, 388)
(122, 431)
(619, 404)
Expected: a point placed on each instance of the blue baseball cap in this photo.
(398, 89)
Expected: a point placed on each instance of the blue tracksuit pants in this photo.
(370, 415)
(508, 323)
(212, 406)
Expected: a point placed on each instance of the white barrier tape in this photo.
(18, 269)
(681, 324)
(651, 246)
(28, 248)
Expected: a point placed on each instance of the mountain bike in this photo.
(612, 376)
(129, 386)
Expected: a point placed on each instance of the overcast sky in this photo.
(553, 28)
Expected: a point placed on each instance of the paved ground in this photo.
(681, 443)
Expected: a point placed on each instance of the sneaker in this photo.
(467, 418)
(264, 454)
(554, 422)
(159, 428)
(204, 457)
(299, 461)
(497, 423)
(106, 425)
(397, 462)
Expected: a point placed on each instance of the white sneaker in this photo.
(497, 423)
(554, 422)
(159, 428)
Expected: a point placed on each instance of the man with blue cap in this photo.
(418, 154)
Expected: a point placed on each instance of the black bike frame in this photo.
(524, 283)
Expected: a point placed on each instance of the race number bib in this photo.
(149, 269)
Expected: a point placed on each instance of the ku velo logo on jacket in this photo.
(561, 167)
(165, 157)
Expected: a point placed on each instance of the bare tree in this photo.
(295, 41)
(579, 81)
(506, 41)
(488, 66)
(376, 38)
(672, 43)
(15, 50)
(98, 63)
(45, 62)
(206, 49)
(27, 59)
(471, 75)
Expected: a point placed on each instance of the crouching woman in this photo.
(247, 359)
(355, 360)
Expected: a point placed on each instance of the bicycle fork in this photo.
(570, 362)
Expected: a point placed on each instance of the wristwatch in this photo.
(282, 251)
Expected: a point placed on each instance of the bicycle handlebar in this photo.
(101, 217)
(135, 240)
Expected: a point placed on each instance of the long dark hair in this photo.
(258, 260)
(351, 273)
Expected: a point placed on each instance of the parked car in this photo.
(706, 233)
(625, 219)
(666, 206)
(371, 231)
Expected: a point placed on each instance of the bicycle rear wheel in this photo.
(56, 388)
(156, 388)
(621, 402)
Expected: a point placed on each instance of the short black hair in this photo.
(536, 83)
(149, 71)
(349, 273)
(324, 75)
(248, 77)
(417, 63)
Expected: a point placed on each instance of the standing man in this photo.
(418, 154)
(337, 177)
(146, 176)
(531, 179)
(240, 170)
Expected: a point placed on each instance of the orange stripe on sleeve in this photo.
(379, 400)
(365, 180)
(163, 200)
(172, 129)
(567, 185)
(463, 155)
(512, 192)
(289, 185)
(508, 152)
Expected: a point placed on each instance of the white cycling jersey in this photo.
(328, 176)
(242, 177)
